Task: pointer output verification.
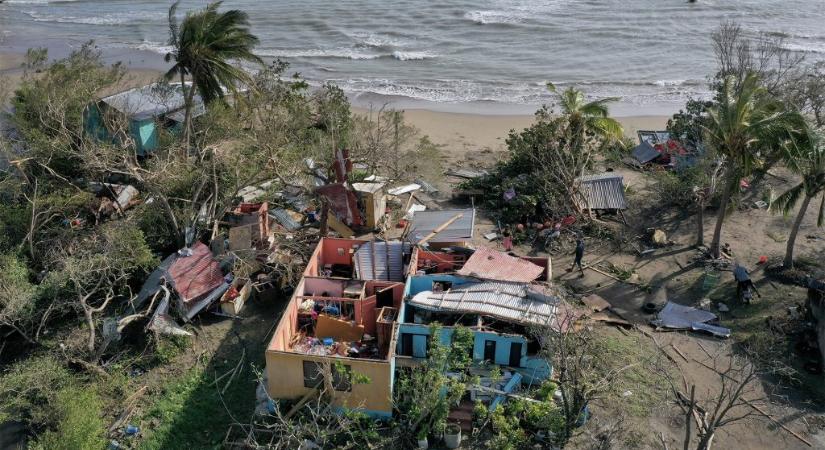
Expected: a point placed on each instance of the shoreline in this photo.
(459, 128)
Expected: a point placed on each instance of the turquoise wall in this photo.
(420, 333)
(502, 347)
(420, 283)
(145, 134)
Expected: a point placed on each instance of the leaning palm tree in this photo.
(805, 156)
(743, 127)
(584, 117)
(207, 47)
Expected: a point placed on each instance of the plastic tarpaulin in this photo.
(681, 317)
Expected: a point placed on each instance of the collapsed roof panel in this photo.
(425, 222)
(195, 275)
(489, 264)
(514, 302)
(645, 153)
(377, 260)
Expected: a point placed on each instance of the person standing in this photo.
(579, 255)
(507, 240)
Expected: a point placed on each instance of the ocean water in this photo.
(483, 54)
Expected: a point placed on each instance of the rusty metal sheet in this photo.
(490, 264)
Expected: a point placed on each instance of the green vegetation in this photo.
(545, 161)
(806, 156)
(208, 47)
(79, 422)
(745, 121)
(425, 394)
(69, 259)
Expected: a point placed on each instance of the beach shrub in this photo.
(686, 126)
(49, 107)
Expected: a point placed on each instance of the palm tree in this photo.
(745, 125)
(207, 46)
(805, 156)
(587, 117)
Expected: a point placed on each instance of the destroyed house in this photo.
(338, 325)
(143, 111)
(499, 313)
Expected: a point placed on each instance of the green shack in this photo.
(145, 110)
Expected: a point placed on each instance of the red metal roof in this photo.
(196, 275)
(493, 265)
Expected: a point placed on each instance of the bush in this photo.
(28, 391)
(80, 426)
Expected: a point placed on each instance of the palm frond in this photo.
(173, 26)
(788, 199)
(607, 127)
(597, 108)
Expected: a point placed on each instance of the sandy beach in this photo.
(462, 133)
(459, 134)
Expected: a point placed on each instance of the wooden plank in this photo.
(300, 403)
(782, 425)
(339, 226)
(440, 228)
(679, 352)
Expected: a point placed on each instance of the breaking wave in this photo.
(106, 19)
(348, 53)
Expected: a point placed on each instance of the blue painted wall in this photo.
(145, 134)
(502, 347)
(420, 333)
(421, 283)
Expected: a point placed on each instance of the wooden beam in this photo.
(792, 432)
(440, 228)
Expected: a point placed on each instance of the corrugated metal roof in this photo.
(282, 217)
(493, 265)
(152, 100)
(644, 153)
(513, 302)
(424, 222)
(195, 275)
(380, 261)
(603, 191)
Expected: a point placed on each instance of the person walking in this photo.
(579, 255)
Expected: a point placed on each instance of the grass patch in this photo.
(80, 425)
(776, 236)
(190, 411)
(647, 386)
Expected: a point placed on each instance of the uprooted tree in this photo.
(91, 270)
(546, 160)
